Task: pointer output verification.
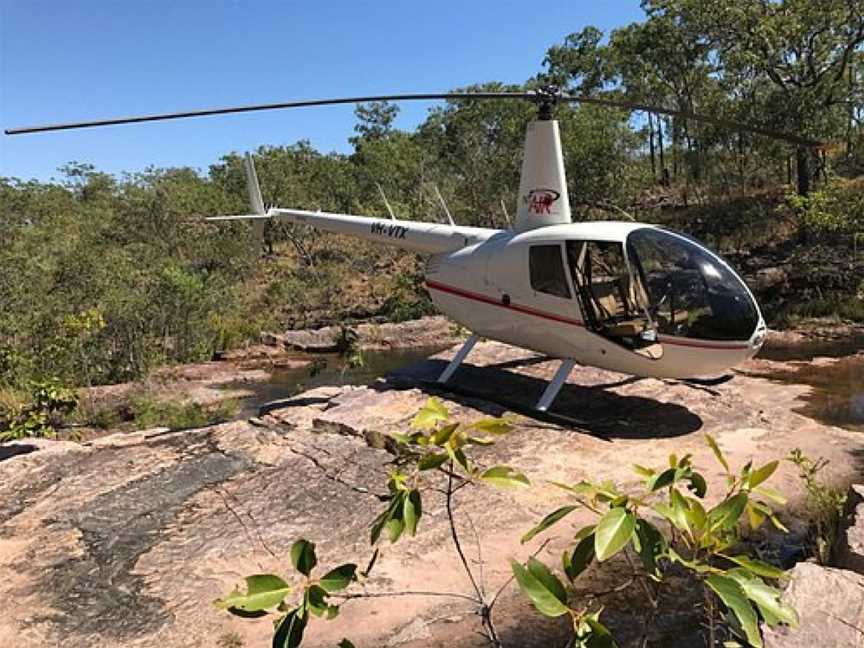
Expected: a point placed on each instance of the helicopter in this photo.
(625, 296)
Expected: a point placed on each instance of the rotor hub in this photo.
(547, 98)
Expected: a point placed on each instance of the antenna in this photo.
(443, 204)
(386, 202)
(506, 215)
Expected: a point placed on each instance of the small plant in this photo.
(348, 347)
(825, 504)
(436, 450)
(268, 593)
(49, 404)
(702, 541)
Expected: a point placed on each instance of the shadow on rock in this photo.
(595, 409)
(9, 451)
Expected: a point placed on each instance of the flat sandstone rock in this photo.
(127, 541)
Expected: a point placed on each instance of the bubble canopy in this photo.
(690, 291)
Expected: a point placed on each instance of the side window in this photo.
(547, 270)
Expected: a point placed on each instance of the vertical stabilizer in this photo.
(543, 198)
(256, 202)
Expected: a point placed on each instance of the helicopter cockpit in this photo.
(659, 283)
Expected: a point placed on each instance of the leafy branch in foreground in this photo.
(267, 593)
(435, 455)
(702, 541)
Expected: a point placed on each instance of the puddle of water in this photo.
(837, 390)
(329, 369)
(817, 348)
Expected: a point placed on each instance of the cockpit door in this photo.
(611, 295)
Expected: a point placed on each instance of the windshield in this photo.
(691, 292)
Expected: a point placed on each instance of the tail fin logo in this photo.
(540, 201)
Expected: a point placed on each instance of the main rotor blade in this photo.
(731, 124)
(268, 106)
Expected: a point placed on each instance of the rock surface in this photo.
(427, 331)
(851, 542)
(830, 604)
(126, 541)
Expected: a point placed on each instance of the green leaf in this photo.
(505, 477)
(303, 556)
(479, 441)
(768, 599)
(548, 521)
(544, 600)
(495, 426)
(652, 545)
(412, 511)
(717, 453)
(442, 435)
(395, 527)
(600, 636)
(432, 461)
(754, 516)
(696, 515)
(642, 471)
(316, 600)
(698, 486)
(578, 561)
(339, 578)
(459, 458)
(661, 480)
(725, 515)
(430, 414)
(734, 598)
(613, 532)
(539, 571)
(263, 591)
(394, 509)
(762, 474)
(680, 509)
(775, 496)
(289, 631)
(757, 566)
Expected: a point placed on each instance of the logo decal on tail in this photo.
(540, 201)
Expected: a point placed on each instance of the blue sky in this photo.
(82, 59)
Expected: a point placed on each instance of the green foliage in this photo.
(835, 210)
(434, 449)
(434, 446)
(825, 504)
(268, 594)
(49, 403)
(702, 541)
(152, 411)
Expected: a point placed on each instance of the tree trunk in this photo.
(802, 159)
(663, 172)
(651, 147)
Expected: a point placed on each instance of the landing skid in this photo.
(561, 420)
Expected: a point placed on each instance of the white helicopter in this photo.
(625, 296)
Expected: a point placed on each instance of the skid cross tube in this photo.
(458, 358)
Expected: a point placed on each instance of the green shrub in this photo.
(48, 405)
(837, 209)
(150, 412)
(825, 504)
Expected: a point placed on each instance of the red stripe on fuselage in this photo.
(467, 294)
